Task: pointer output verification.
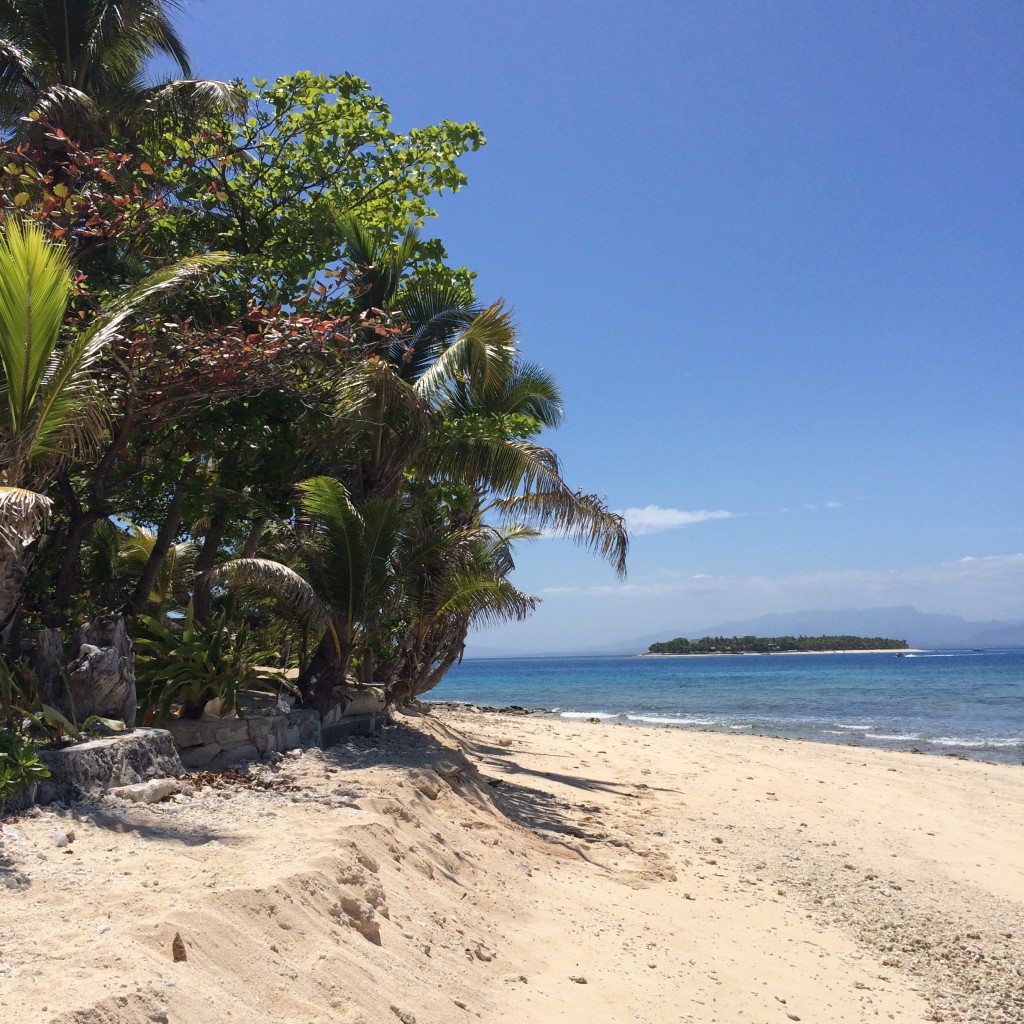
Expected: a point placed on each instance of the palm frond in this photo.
(162, 282)
(478, 359)
(530, 390)
(189, 98)
(264, 577)
(378, 263)
(35, 285)
(24, 515)
(583, 518)
(434, 313)
(486, 601)
(496, 464)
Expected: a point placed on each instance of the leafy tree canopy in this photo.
(275, 186)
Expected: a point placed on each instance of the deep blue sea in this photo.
(969, 703)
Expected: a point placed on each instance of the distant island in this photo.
(776, 645)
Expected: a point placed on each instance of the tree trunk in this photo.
(202, 595)
(164, 539)
(13, 570)
(67, 579)
(324, 672)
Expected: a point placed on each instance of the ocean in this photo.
(966, 703)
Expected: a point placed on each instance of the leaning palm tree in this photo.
(52, 410)
(80, 64)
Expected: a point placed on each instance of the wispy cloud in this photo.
(974, 587)
(655, 519)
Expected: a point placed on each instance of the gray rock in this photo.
(147, 792)
(88, 769)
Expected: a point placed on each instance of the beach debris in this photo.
(578, 978)
(178, 949)
(792, 1016)
(504, 741)
(460, 1004)
(403, 1015)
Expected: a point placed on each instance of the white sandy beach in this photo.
(484, 867)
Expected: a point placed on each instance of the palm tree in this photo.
(80, 64)
(346, 564)
(396, 567)
(52, 410)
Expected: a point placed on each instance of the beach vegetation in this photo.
(82, 66)
(244, 399)
(185, 664)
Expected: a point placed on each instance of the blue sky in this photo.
(772, 251)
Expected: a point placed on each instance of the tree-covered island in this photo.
(776, 645)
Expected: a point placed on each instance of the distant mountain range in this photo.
(919, 629)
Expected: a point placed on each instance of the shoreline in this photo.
(665, 724)
(764, 654)
(511, 868)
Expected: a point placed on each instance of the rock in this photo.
(403, 1015)
(425, 785)
(578, 978)
(147, 792)
(200, 756)
(89, 769)
(58, 838)
(362, 917)
(178, 949)
(101, 677)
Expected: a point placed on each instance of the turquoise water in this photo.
(969, 703)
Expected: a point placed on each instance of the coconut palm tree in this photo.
(52, 409)
(80, 64)
(396, 567)
(345, 566)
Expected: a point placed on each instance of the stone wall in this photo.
(213, 743)
(263, 725)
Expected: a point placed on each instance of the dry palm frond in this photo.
(24, 515)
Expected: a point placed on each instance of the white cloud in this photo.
(975, 588)
(833, 504)
(655, 519)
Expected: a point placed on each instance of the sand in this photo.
(484, 867)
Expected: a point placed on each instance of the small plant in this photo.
(192, 664)
(22, 709)
(19, 764)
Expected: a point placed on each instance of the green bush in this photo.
(19, 764)
(191, 664)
